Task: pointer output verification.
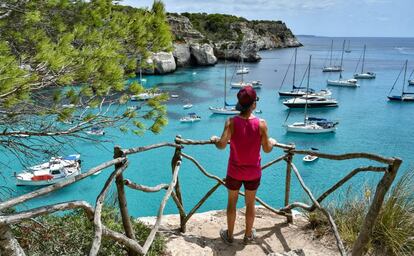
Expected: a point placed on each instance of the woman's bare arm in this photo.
(267, 143)
(221, 142)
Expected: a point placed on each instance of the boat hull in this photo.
(411, 82)
(292, 94)
(342, 83)
(224, 111)
(332, 69)
(401, 98)
(26, 182)
(364, 76)
(310, 129)
(311, 105)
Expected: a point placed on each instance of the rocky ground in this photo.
(275, 236)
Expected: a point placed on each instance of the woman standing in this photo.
(247, 134)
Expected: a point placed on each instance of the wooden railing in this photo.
(120, 163)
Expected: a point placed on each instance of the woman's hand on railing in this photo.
(214, 139)
(272, 141)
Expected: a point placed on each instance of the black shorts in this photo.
(233, 184)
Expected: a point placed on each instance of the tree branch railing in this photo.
(120, 162)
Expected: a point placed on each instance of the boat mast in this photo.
(342, 59)
(330, 59)
(363, 60)
(405, 76)
(294, 69)
(307, 91)
(225, 76)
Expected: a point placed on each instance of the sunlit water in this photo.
(368, 123)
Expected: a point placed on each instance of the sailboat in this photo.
(364, 75)
(332, 68)
(227, 109)
(348, 49)
(311, 125)
(405, 96)
(343, 82)
(296, 91)
(242, 70)
(411, 81)
(241, 83)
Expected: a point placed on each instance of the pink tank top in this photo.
(245, 142)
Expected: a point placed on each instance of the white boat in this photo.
(404, 96)
(295, 91)
(144, 96)
(242, 70)
(311, 125)
(174, 96)
(96, 131)
(363, 74)
(324, 93)
(241, 84)
(190, 118)
(309, 158)
(226, 109)
(411, 82)
(55, 170)
(340, 81)
(331, 67)
(348, 49)
(311, 102)
(133, 108)
(343, 82)
(256, 82)
(187, 106)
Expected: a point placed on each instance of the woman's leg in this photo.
(231, 211)
(250, 196)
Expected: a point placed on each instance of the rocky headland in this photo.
(203, 39)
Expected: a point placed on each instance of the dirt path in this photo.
(274, 235)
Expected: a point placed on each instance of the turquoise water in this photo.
(368, 123)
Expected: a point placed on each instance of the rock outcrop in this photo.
(182, 54)
(203, 54)
(160, 63)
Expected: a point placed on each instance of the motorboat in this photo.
(190, 118)
(187, 106)
(174, 96)
(311, 102)
(324, 93)
(243, 70)
(144, 96)
(256, 82)
(96, 131)
(343, 82)
(411, 82)
(404, 96)
(55, 170)
(363, 74)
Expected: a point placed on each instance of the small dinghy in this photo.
(96, 131)
(187, 106)
(190, 118)
(310, 158)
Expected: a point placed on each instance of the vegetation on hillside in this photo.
(393, 233)
(93, 46)
(72, 234)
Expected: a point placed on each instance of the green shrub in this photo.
(72, 234)
(393, 233)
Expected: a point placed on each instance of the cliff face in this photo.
(241, 38)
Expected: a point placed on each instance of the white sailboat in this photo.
(190, 118)
(310, 102)
(144, 96)
(405, 96)
(311, 125)
(332, 68)
(227, 109)
(242, 70)
(343, 82)
(296, 90)
(411, 81)
(364, 75)
(348, 49)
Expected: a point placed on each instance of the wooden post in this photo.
(371, 217)
(175, 159)
(287, 186)
(126, 221)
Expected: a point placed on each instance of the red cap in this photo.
(246, 96)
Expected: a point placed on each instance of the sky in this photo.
(348, 18)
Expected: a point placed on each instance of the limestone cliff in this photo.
(242, 38)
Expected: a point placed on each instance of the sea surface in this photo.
(368, 123)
